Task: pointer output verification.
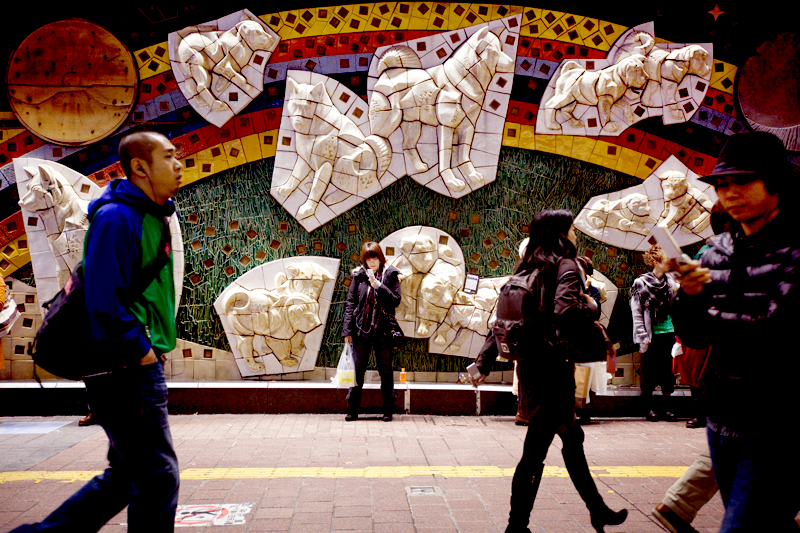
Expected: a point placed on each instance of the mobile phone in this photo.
(370, 273)
(663, 238)
(473, 371)
(471, 284)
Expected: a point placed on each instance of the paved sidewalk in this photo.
(314, 473)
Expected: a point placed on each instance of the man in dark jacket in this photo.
(133, 325)
(743, 301)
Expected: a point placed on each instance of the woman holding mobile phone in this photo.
(547, 381)
(369, 324)
(651, 297)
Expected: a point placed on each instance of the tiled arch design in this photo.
(340, 41)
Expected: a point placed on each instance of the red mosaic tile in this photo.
(630, 138)
(652, 145)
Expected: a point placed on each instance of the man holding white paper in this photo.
(743, 302)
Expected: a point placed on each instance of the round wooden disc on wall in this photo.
(72, 82)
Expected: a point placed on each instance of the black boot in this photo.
(524, 486)
(353, 404)
(578, 469)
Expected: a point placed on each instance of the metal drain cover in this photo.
(424, 491)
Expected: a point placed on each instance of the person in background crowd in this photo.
(651, 295)
(595, 380)
(369, 322)
(551, 399)
(128, 224)
(741, 299)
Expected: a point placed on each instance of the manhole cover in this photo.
(424, 491)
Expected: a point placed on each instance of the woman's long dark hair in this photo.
(548, 239)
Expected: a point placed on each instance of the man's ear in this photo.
(139, 167)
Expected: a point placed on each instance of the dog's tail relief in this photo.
(383, 152)
(398, 57)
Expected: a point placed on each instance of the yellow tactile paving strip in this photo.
(369, 472)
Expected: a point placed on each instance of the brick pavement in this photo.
(275, 448)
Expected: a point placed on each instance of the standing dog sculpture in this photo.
(448, 96)
(601, 88)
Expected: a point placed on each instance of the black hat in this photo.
(750, 152)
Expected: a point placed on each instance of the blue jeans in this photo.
(131, 406)
(758, 478)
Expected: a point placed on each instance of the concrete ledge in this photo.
(23, 398)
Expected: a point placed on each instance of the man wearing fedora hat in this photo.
(743, 300)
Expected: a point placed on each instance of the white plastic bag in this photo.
(346, 370)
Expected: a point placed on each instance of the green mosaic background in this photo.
(527, 182)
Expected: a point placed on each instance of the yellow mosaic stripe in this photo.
(12, 257)
(432, 16)
(586, 149)
(727, 72)
(369, 472)
(152, 60)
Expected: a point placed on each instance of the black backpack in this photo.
(64, 345)
(519, 327)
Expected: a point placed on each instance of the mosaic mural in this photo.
(296, 129)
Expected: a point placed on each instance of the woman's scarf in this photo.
(652, 293)
(368, 321)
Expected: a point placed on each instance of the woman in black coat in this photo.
(369, 323)
(547, 379)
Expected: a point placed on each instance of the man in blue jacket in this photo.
(743, 302)
(130, 296)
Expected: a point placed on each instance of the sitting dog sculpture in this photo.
(684, 204)
(331, 146)
(602, 88)
(63, 214)
(448, 96)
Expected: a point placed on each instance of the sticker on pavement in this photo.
(212, 514)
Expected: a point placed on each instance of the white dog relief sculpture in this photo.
(630, 213)
(639, 79)
(62, 213)
(433, 304)
(601, 89)
(672, 197)
(448, 97)
(274, 315)
(436, 112)
(220, 65)
(55, 203)
(324, 160)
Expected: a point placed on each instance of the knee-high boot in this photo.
(524, 486)
(578, 469)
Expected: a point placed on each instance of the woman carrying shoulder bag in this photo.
(369, 323)
(548, 378)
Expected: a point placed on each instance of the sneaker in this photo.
(88, 420)
(672, 521)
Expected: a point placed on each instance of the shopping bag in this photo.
(8, 315)
(582, 374)
(346, 370)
